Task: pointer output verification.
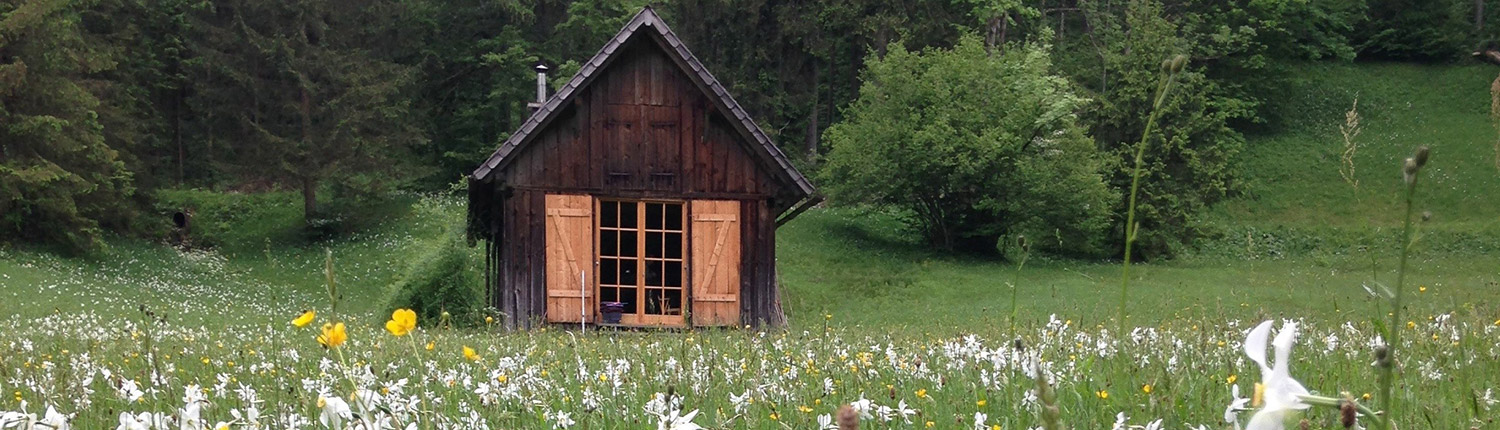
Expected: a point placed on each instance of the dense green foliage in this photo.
(355, 99)
(443, 277)
(61, 180)
(973, 146)
(1190, 154)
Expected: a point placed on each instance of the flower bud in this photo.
(1178, 63)
(1421, 155)
(1382, 357)
(1409, 170)
(848, 419)
(1426, 216)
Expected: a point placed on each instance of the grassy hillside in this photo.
(1292, 189)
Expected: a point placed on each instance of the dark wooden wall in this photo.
(641, 130)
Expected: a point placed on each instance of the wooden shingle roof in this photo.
(771, 157)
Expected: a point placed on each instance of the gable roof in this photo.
(761, 145)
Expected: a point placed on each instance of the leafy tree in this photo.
(1190, 162)
(973, 146)
(301, 98)
(59, 179)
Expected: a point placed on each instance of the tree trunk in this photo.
(309, 199)
(177, 134)
(309, 183)
(1479, 16)
(811, 144)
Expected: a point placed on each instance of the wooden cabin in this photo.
(640, 182)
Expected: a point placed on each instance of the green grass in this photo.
(858, 267)
(1291, 178)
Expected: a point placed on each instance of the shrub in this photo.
(972, 146)
(222, 219)
(442, 277)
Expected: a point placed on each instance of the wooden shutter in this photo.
(716, 262)
(570, 258)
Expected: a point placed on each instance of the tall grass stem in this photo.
(1170, 68)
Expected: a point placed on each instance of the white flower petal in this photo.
(1255, 345)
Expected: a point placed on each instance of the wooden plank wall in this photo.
(642, 130)
(758, 299)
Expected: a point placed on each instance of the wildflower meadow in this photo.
(210, 343)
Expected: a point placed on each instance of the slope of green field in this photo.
(1292, 180)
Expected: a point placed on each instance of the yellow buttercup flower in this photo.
(1102, 394)
(470, 354)
(1231, 379)
(980, 403)
(306, 318)
(333, 335)
(1146, 388)
(430, 345)
(402, 322)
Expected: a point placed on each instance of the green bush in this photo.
(245, 220)
(253, 221)
(444, 277)
(972, 146)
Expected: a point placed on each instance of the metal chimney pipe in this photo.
(541, 84)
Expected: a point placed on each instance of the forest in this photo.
(104, 103)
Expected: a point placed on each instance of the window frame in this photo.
(640, 317)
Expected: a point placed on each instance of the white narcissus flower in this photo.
(54, 420)
(190, 416)
(979, 419)
(16, 419)
(562, 420)
(672, 421)
(825, 422)
(905, 412)
(131, 422)
(335, 411)
(740, 401)
(864, 407)
(1232, 412)
(1282, 393)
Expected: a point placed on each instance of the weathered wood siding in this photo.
(643, 130)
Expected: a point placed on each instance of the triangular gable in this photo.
(766, 151)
